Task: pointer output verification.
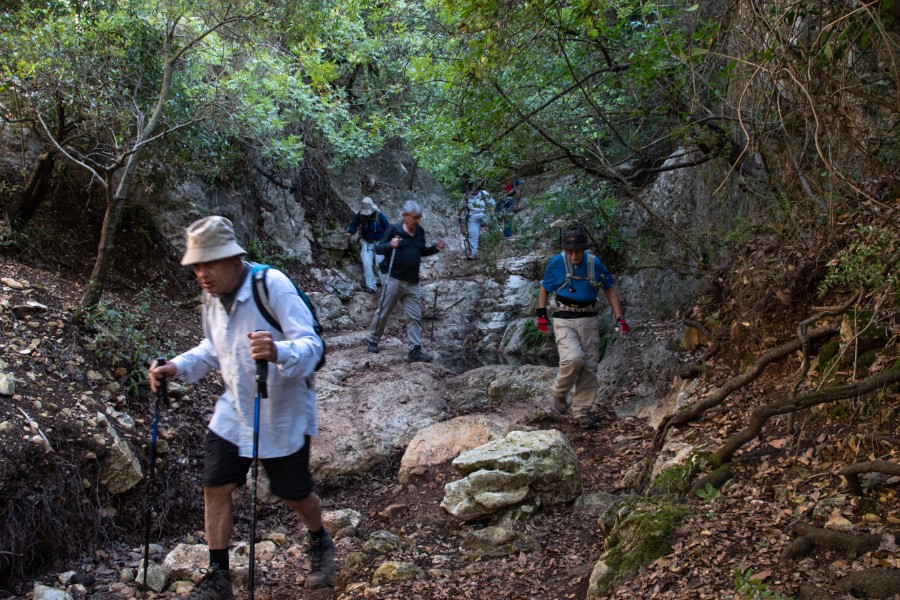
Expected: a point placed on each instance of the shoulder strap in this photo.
(261, 295)
(568, 265)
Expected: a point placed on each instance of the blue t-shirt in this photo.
(578, 290)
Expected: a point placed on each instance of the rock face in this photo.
(506, 472)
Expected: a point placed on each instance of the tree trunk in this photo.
(35, 191)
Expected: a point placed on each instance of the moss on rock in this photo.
(638, 531)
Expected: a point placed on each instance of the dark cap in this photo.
(574, 239)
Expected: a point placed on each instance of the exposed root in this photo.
(696, 409)
(761, 415)
(852, 472)
(810, 537)
(871, 583)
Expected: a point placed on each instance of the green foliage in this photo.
(266, 252)
(129, 339)
(708, 492)
(534, 338)
(750, 589)
(862, 263)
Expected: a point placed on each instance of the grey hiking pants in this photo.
(409, 294)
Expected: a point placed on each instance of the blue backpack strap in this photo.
(261, 294)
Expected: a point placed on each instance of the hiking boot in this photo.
(588, 422)
(321, 561)
(558, 406)
(418, 355)
(373, 347)
(215, 585)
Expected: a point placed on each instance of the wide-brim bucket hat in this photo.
(209, 239)
(368, 207)
(574, 239)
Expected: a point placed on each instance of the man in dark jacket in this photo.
(405, 246)
(372, 224)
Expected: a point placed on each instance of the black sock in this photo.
(218, 559)
(316, 535)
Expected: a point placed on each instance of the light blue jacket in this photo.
(289, 412)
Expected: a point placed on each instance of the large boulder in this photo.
(442, 442)
(506, 472)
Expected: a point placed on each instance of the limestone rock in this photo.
(7, 384)
(444, 441)
(121, 469)
(42, 592)
(383, 542)
(342, 523)
(156, 576)
(396, 571)
(506, 472)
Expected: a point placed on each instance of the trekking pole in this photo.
(385, 286)
(262, 391)
(434, 306)
(161, 394)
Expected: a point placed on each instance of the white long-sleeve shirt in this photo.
(289, 412)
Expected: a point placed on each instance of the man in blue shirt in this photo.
(372, 225)
(571, 277)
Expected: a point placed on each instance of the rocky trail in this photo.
(388, 431)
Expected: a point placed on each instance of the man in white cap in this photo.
(236, 336)
(573, 278)
(372, 225)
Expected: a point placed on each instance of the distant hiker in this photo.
(508, 207)
(236, 335)
(473, 212)
(571, 277)
(404, 245)
(372, 224)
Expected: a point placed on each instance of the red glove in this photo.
(542, 322)
(623, 326)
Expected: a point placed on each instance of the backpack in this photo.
(261, 297)
(591, 278)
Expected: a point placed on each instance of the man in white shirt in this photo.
(236, 335)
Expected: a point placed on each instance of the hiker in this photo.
(404, 246)
(571, 277)
(508, 207)
(372, 224)
(236, 335)
(473, 213)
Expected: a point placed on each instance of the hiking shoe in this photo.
(418, 355)
(370, 290)
(373, 347)
(321, 561)
(558, 406)
(588, 422)
(215, 585)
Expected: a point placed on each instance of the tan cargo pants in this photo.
(578, 343)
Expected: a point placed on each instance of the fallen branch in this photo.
(852, 472)
(761, 415)
(696, 409)
(809, 537)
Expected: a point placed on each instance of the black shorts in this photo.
(289, 475)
